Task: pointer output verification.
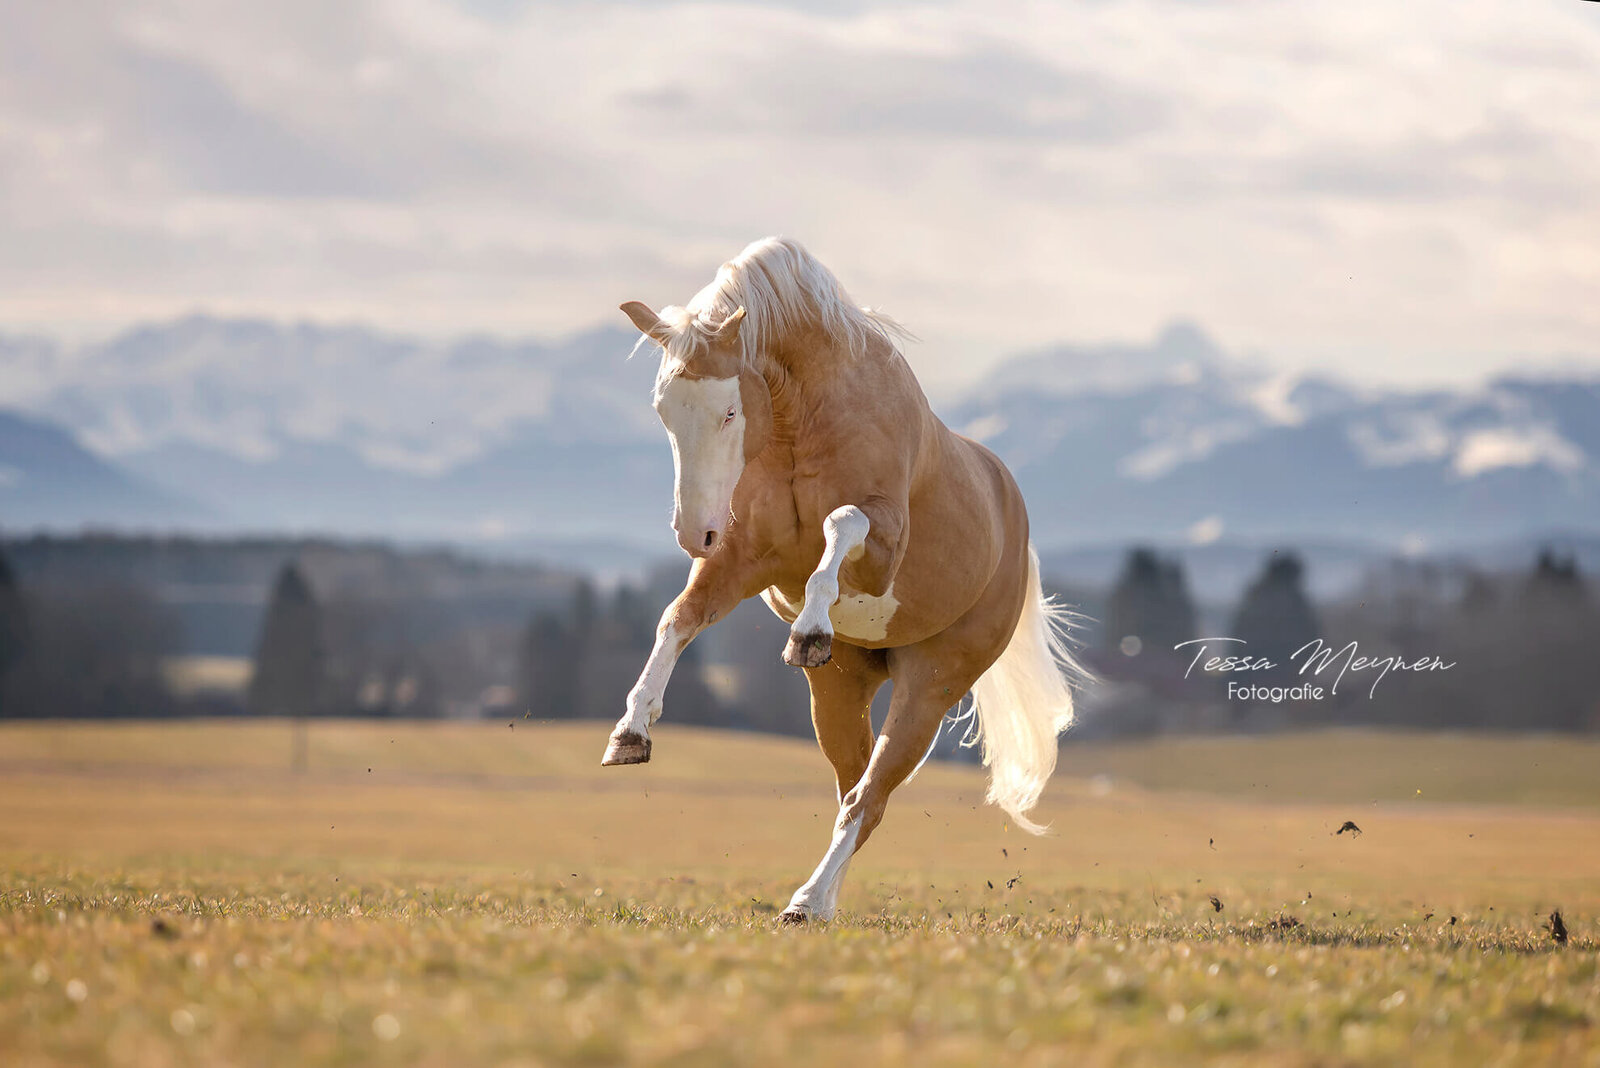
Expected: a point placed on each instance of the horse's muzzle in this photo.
(698, 542)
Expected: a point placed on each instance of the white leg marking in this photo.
(811, 637)
(632, 733)
(819, 897)
(844, 530)
(644, 700)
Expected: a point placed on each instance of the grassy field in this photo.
(485, 894)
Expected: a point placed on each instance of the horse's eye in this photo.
(728, 418)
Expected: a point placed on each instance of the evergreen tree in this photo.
(13, 631)
(585, 613)
(1478, 596)
(1557, 675)
(1276, 618)
(290, 669)
(548, 666)
(558, 657)
(1555, 580)
(1149, 610)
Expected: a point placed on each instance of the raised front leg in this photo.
(811, 638)
(717, 583)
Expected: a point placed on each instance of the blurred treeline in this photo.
(105, 625)
(1521, 646)
(108, 626)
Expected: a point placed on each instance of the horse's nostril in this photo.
(711, 536)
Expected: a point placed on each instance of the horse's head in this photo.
(718, 414)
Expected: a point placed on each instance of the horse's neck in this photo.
(786, 401)
(817, 389)
(819, 406)
(797, 370)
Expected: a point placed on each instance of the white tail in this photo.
(1024, 701)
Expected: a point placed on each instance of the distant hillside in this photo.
(517, 444)
(47, 479)
(1220, 453)
(217, 588)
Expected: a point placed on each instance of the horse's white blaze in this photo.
(707, 450)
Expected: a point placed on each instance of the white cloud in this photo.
(986, 427)
(1403, 437)
(1204, 531)
(1488, 450)
(1174, 446)
(1401, 190)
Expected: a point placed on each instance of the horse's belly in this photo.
(855, 616)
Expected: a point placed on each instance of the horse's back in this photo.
(969, 533)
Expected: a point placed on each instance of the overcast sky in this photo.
(1397, 191)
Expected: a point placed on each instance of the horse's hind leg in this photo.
(841, 709)
(914, 717)
(929, 677)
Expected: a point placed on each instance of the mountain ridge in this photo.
(225, 424)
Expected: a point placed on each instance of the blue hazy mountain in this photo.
(47, 479)
(224, 424)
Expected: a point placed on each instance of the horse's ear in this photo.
(648, 322)
(728, 329)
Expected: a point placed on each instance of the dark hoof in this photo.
(627, 748)
(794, 917)
(808, 650)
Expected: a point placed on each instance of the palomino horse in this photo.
(811, 470)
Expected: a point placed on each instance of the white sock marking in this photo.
(644, 700)
(843, 531)
(819, 897)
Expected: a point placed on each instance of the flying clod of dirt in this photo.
(1558, 929)
(1350, 825)
(1216, 903)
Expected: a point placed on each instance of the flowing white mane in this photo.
(782, 288)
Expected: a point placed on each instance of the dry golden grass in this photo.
(488, 895)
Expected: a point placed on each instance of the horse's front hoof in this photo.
(808, 650)
(793, 917)
(628, 747)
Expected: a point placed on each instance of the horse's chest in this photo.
(854, 615)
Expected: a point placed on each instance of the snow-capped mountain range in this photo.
(1208, 446)
(217, 424)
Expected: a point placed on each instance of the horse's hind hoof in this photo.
(794, 917)
(627, 748)
(808, 650)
